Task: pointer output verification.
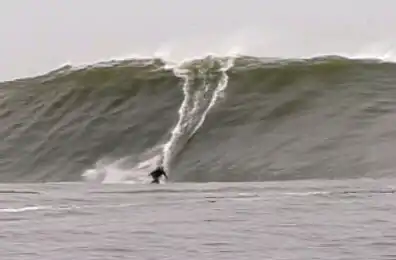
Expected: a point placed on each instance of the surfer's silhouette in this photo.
(157, 173)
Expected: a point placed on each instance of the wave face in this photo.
(210, 119)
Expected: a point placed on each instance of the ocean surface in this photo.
(267, 159)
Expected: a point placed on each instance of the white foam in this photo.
(190, 120)
(124, 170)
(23, 209)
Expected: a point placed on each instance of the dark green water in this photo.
(322, 118)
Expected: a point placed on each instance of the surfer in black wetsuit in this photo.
(157, 173)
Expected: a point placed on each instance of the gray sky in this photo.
(38, 36)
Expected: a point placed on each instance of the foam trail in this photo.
(176, 132)
(23, 209)
(218, 91)
(187, 115)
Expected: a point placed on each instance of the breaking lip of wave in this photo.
(380, 54)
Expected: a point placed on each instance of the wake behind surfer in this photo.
(157, 173)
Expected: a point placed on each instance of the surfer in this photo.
(157, 173)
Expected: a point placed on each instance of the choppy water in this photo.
(273, 220)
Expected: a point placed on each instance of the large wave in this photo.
(207, 119)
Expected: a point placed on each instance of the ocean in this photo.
(267, 159)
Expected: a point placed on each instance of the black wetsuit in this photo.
(157, 173)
